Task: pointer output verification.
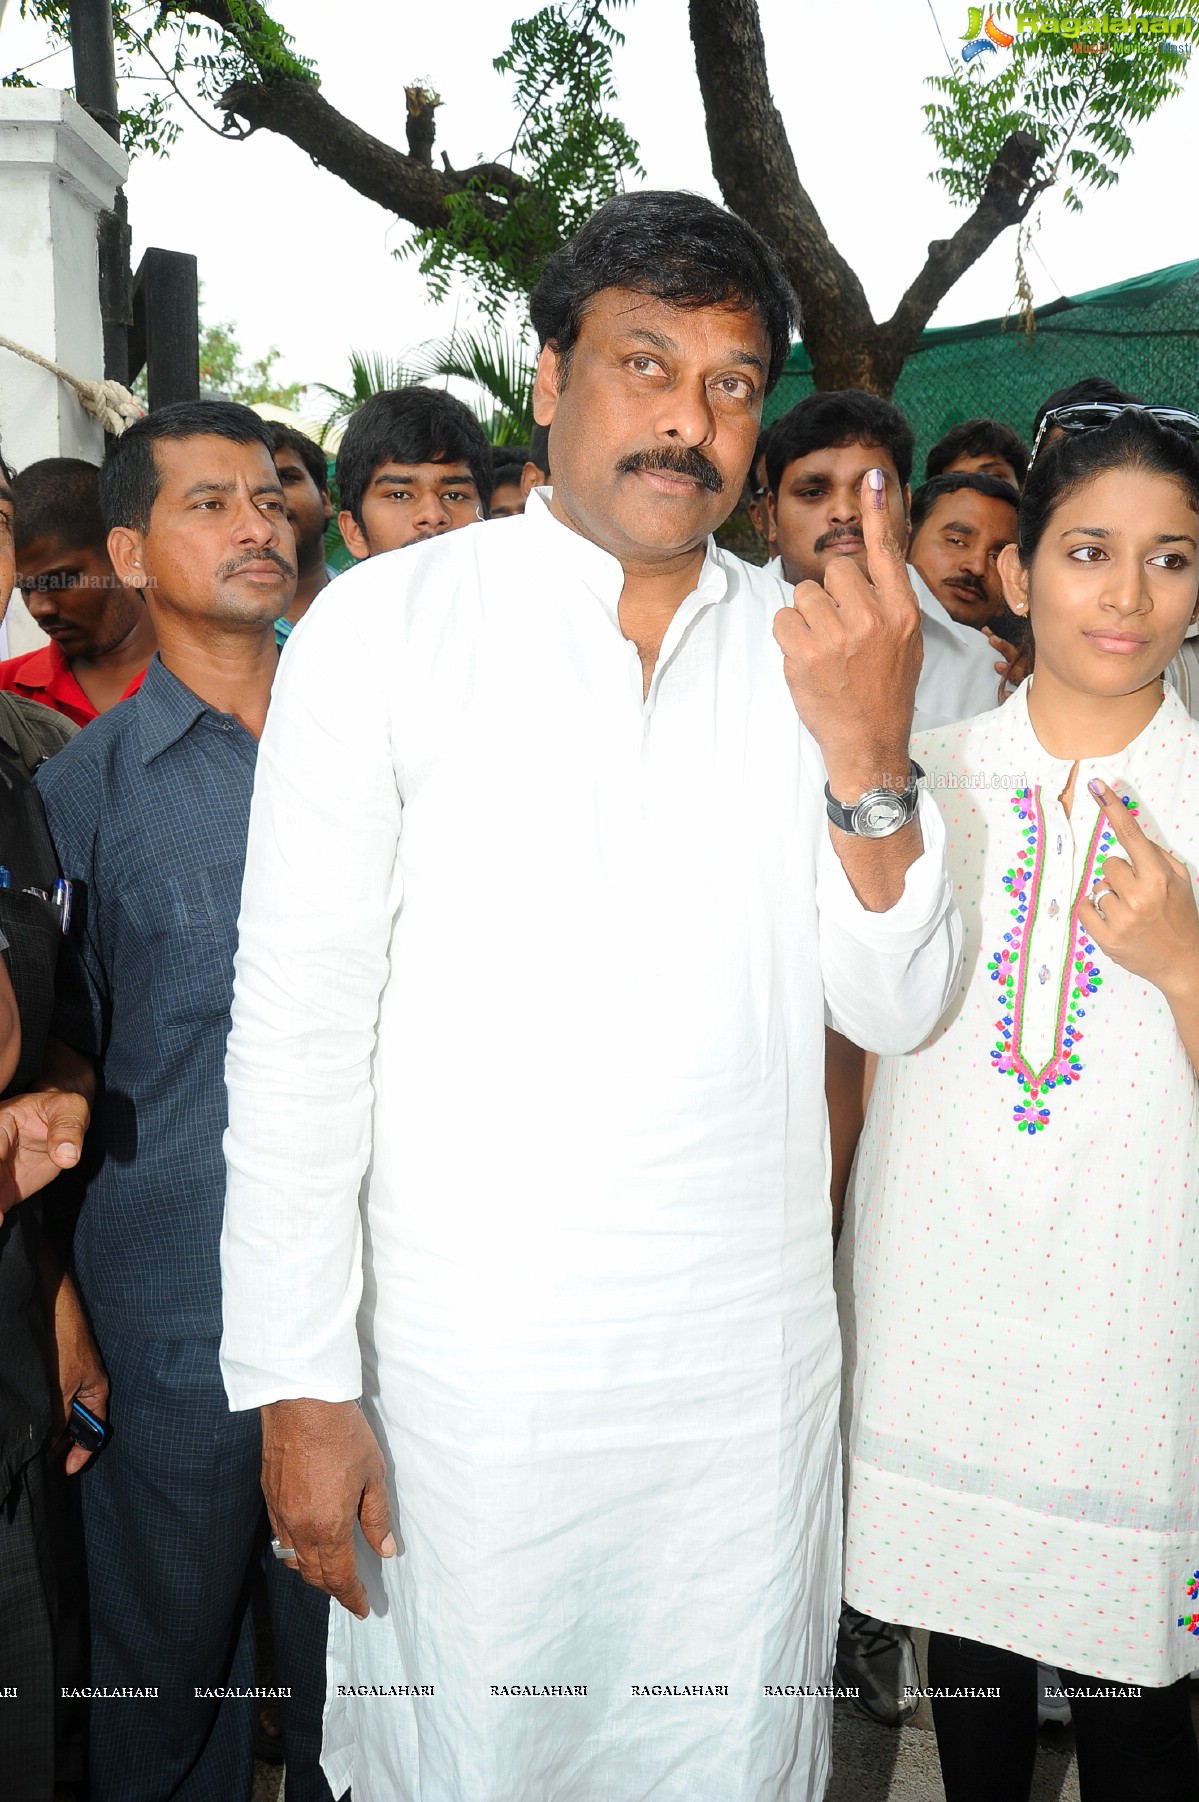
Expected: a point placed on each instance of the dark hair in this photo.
(539, 447)
(506, 475)
(6, 474)
(285, 437)
(835, 417)
(978, 438)
(59, 498)
(1134, 440)
(410, 425)
(760, 451)
(129, 474)
(1091, 387)
(929, 493)
(677, 247)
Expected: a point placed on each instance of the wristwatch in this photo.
(880, 812)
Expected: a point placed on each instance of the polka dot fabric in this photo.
(1021, 1307)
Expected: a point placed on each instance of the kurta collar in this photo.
(600, 571)
(1034, 763)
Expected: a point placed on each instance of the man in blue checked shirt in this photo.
(149, 814)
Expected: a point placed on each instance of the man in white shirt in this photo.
(543, 913)
(817, 455)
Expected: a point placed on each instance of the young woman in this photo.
(1021, 1261)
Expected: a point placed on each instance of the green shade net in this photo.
(1141, 334)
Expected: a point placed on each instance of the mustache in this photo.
(265, 555)
(970, 582)
(683, 462)
(826, 538)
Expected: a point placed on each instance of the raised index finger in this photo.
(885, 561)
(1125, 829)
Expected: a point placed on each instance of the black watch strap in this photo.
(899, 807)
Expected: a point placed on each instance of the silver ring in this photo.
(1099, 896)
(282, 1551)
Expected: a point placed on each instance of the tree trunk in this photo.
(753, 162)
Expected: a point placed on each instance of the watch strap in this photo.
(846, 817)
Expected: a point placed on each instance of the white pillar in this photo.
(58, 172)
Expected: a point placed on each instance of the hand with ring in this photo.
(322, 1471)
(1142, 912)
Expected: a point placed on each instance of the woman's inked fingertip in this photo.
(1096, 788)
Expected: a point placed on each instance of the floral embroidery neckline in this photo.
(1080, 975)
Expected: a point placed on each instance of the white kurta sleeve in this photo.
(888, 977)
(320, 896)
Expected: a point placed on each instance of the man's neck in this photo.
(308, 585)
(654, 587)
(230, 671)
(651, 596)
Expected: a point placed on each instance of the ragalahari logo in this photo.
(978, 38)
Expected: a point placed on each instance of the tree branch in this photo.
(404, 185)
(420, 125)
(754, 164)
(1007, 197)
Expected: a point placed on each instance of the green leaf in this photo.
(1066, 99)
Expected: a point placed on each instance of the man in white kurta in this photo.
(540, 956)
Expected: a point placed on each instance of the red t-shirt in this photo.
(45, 675)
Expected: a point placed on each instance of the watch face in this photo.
(879, 814)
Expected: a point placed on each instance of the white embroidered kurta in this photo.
(1024, 1456)
(584, 981)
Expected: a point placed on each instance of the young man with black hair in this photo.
(984, 447)
(304, 474)
(414, 463)
(584, 912)
(960, 523)
(101, 637)
(816, 457)
(507, 493)
(148, 810)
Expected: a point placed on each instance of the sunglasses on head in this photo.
(1093, 415)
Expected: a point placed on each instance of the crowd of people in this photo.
(589, 1127)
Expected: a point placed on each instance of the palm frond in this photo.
(370, 373)
(502, 367)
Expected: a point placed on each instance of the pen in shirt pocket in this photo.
(59, 897)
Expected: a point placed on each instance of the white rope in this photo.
(109, 402)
